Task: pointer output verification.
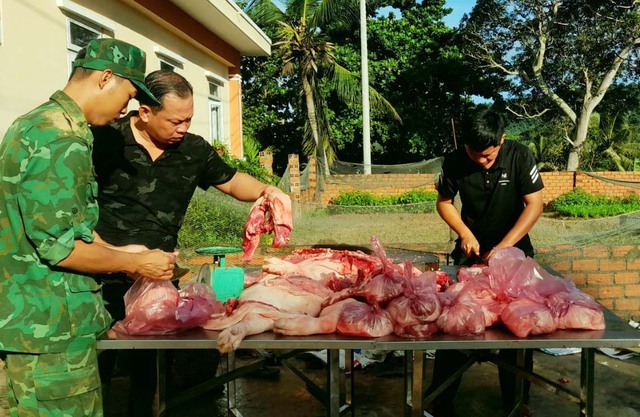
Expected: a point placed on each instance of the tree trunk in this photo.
(580, 136)
(611, 153)
(313, 125)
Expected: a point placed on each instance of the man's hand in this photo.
(155, 264)
(270, 193)
(470, 245)
(488, 255)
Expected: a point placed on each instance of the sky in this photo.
(460, 7)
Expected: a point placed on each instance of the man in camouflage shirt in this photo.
(50, 307)
(148, 166)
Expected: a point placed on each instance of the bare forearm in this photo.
(243, 187)
(451, 216)
(95, 258)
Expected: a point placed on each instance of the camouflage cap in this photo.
(125, 60)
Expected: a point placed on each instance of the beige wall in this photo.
(33, 57)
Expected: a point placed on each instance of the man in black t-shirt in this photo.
(501, 193)
(147, 167)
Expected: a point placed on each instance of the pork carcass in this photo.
(337, 269)
(301, 325)
(264, 303)
(348, 317)
(269, 213)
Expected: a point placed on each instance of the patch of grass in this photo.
(579, 203)
(213, 219)
(361, 202)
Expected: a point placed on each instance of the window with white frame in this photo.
(79, 33)
(215, 112)
(168, 60)
(83, 25)
(165, 65)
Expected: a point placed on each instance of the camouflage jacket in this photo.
(48, 200)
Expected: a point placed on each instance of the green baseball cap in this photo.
(125, 60)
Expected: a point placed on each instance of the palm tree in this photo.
(620, 138)
(308, 58)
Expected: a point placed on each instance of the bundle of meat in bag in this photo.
(531, 300)
(154, 307)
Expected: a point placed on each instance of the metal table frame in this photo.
(617, 334)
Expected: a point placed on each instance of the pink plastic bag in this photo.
(461, 314)
(361, 319)
(524, 317)
(154, 307)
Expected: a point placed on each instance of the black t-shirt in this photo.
(143, 201)
(493, 199)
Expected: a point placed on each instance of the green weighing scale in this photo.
(226, 281)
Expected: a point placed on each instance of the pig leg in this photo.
(303, 325)
(229, 339)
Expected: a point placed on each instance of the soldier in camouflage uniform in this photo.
(51, 310)
(149, 162)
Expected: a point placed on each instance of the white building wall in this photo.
(33, 55)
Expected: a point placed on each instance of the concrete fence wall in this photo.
(376, 184)
(556, 184)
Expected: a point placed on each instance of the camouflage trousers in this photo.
(63, 384)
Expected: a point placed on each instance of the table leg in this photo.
(349, 383)
(587, 365)
(519, 388)
(232, 399)
(160, 399)
(333, 383)
(413, 383)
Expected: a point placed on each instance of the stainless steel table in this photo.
(617, 334)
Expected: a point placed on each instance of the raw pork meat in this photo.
(337, 269)
(576, 310)
(270, 213)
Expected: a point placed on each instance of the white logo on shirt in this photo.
(534, 174)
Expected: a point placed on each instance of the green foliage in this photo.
(414, 201)
(249, 165)
(355, 198)
(579, 203)
(304, 63)
(545, 138)
(414, 62)
(213, 219)
(417, 196)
